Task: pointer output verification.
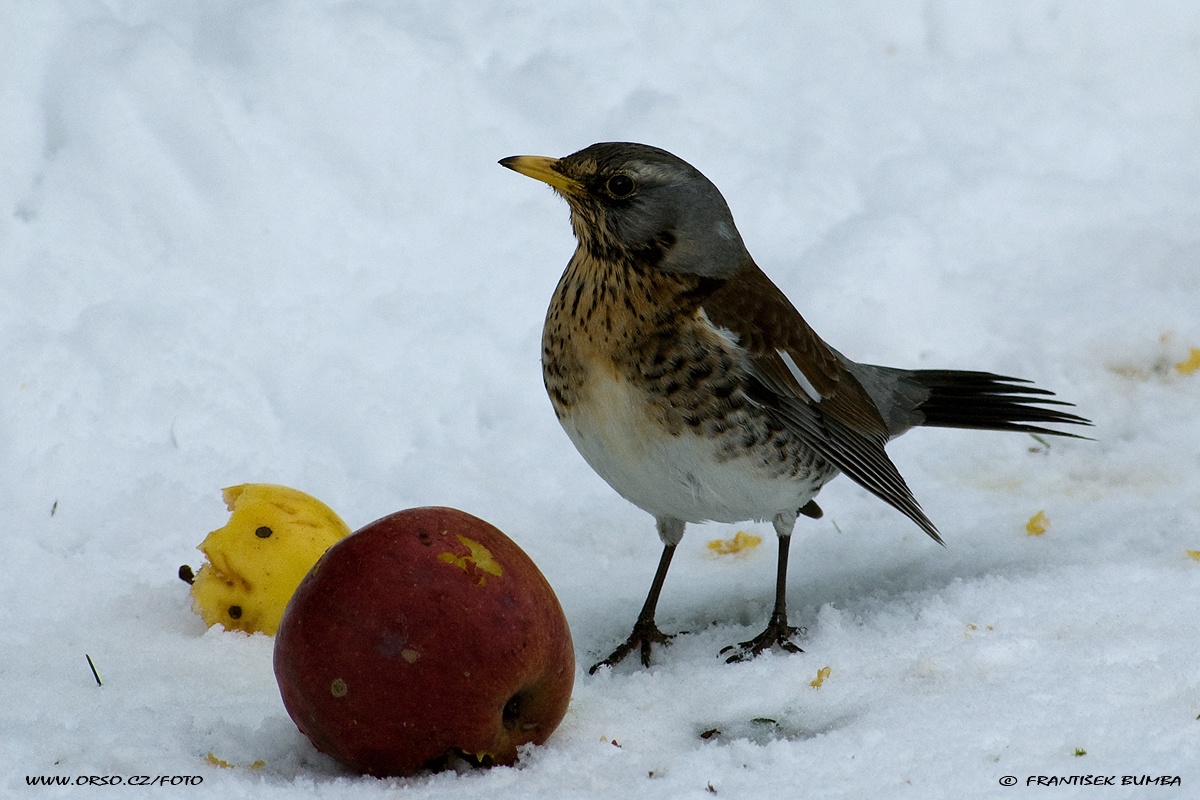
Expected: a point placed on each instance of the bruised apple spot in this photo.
(478, 560)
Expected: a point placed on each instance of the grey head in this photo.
(641, 202)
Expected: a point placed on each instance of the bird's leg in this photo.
(645, 631)
(777, 632)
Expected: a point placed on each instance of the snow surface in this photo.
(269, 241)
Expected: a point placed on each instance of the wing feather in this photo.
(840, 423)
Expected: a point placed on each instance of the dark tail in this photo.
(981, 400)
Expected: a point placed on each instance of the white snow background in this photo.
(269, 242)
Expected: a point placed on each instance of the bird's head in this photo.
(633, 201)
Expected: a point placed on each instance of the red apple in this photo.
(424, 636)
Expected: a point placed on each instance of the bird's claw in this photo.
(777, 634)
(645, 635)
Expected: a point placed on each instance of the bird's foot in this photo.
(777, 634)
(645, 635)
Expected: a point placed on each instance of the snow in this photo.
(269, 241)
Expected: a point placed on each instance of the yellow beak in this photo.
(545, 170)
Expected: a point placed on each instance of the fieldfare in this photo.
(692, 385)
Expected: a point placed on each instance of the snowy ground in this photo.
(270, 242)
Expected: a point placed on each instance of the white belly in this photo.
(672, 476)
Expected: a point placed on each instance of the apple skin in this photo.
(425, 636)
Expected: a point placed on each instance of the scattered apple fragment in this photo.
(425, 637)
(740, 544)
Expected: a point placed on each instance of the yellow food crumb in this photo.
(211, 758)
(822, 674)
(1193, 554)
(1191, 363)
(741, 542)
(1037, 524)
(972, 627)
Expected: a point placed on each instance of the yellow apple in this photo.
(257, 560)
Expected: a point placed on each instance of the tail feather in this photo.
(985, 401)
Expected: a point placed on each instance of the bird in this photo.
(694, 387)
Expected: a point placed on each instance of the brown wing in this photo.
(837, 418)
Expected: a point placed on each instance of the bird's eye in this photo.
(619, 186)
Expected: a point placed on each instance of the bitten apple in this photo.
(426, 635)
(252, 565)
